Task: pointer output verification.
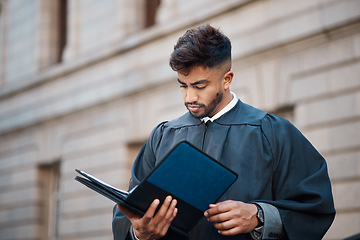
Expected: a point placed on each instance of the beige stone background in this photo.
(83, 87)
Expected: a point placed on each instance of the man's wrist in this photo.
(256, 233)
(273, 227)
(259, 216)
(132, 233)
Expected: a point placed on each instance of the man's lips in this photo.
(193, 108)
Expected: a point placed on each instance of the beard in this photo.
(207, 109)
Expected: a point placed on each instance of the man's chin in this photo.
(197, 115)
(197, 112)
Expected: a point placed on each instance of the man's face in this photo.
(203, 90)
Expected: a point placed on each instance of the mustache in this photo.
(194, 104)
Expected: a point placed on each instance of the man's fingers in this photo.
(167, 215)
(164, 209)
(149, 215)
(154, 225)
(231, 231)
(170, 211)
(221, 217)
(218, 208)
(232, 217)
(163, 218)
(167, 225)
(225, 225)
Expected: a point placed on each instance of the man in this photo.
(283, 189)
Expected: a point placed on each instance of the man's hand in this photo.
(152, 226)
(232, 217)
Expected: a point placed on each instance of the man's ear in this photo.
(227, 79)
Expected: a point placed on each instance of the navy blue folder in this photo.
(186, 173)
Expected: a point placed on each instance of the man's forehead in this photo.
(196, 74)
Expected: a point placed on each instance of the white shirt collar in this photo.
(227, 108)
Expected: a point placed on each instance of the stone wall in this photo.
(95, 108)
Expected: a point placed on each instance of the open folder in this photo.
(190, 176)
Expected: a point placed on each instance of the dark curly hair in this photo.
(202, 46)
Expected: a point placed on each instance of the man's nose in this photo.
(191, 95)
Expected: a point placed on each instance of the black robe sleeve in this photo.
(301, 185)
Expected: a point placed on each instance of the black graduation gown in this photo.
(276, 164)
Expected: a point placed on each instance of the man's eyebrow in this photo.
(180, 81)
(203, 81)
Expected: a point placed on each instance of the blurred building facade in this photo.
(83, 83)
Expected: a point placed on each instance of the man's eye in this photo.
(200, 87)
(182, 86)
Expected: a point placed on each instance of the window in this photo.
(62, 29)
(2, 42)
(53, 32)
(49, 190)
(151, 7)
